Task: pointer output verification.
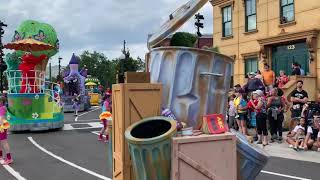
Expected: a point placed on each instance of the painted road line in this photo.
(67, 162)
(76, 119)
(13, 172)
(284, 175)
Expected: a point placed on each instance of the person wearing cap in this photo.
(253, 83)
(269, 77)
(276, 107)
(260, 107)
(241, 106)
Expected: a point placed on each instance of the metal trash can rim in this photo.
(160, 138)
(190, 49)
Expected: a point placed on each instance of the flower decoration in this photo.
(36, 96)
(17, 36)
(35, 115)
(40, 36)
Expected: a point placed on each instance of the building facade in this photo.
(277, 32)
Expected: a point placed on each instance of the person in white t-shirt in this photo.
(299, 136)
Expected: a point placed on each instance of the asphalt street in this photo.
(75, 153)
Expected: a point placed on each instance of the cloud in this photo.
(98, 25)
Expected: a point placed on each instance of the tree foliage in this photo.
(105, 70)
(183, 39)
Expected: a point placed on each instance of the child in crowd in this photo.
(252, 115)
(232, 112)
(299, 135)
(4, 126)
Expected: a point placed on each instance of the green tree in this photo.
(183, 39)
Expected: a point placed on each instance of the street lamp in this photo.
(121, 73)
(59, 73)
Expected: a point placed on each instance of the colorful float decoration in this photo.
(33, 103)
(74, 85)
(92, 85)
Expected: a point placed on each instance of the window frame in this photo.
(228, 21)
(281, 11)
(250, 58)
(247, 16)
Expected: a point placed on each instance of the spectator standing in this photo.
(282, 79)
(253, 84)
(232, 113)
(241, 106)
(253, 116)
(298, 98)
(260, 107)
(295, 69)
(302, 72)
(276, 106)
(269, 77)
(259, 76)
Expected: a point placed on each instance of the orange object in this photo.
(268, 77)
(105, 115)
(28, 45)
(5, 125)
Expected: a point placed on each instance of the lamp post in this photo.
(3, 65)
(121, 73)
(59, 73)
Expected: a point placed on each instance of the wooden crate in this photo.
(137, 77)
(131, 103)
(204, 157)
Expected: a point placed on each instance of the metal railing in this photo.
(23, 83)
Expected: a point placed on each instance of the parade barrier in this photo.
(150, 147)
(130, 102)
(204, 157)
(251, 159)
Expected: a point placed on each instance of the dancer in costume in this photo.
(104, 131)
(76, 104)
(4, 126)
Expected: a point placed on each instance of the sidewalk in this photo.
(283, 151)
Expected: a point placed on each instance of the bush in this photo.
(183, 39)
(214, 49)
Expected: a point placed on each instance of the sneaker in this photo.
(295, 148)
(255, 138)
(290, 146)
(7, 162)
(259, 142)
(100, 138)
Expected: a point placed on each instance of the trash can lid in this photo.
(175, 21)
(250, 149)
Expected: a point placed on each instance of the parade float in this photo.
(92, 85)
(33, 103)
(74, 85)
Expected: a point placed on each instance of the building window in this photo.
(251, 15)
(251, 65)
(226, 21)
(286, 11)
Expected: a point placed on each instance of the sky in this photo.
(98, 25)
